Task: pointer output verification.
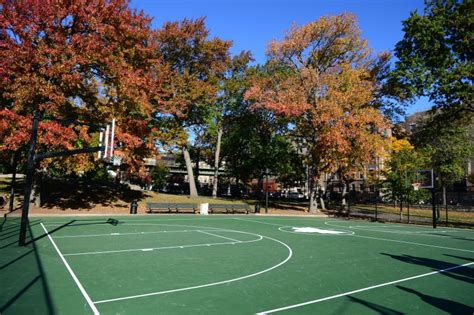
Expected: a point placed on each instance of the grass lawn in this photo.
(61, 196)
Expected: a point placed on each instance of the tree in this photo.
(82, 60)
(435, 56)
(159, 174)
(400, 173)
(449, 148)
(234, 85)
(323, 80)
(196, 65)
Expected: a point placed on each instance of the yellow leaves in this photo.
(321, 78)
(401, 144)
(326, 42)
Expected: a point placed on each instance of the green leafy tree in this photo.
(400, 173)
(449, 149)
(255, 139)
(159, 174)
(436, 54)
(196, 64)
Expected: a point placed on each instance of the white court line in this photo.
(121, 234)
(256, 221)
(146, 249)
(404, 242)
(386, 229)
(227, 238)
(290, 254)
(363, 289)
(79, 285)
(410, 226)
(376, 238)
(413, 243)
(161, 248)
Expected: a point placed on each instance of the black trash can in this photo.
(133, 207)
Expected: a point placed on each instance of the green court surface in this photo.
(187, 264)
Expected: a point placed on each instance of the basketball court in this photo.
(234, 265)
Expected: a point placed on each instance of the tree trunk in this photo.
(444, 195)
(14, 163)
(321, 201)
(198, 170)
(344, 195)
(35, 199)
(189, 169)
(216, 163)
(259, 188)
(444, 202)
(401, 208)
(313, 195)
(313, 201)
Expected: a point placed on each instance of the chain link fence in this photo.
(457, 212)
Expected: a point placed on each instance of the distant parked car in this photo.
(275, 194)
(295, 195)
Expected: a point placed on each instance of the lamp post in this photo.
(376, 187)
(266, 190)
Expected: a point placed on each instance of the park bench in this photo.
(171, 207)
(228, 208)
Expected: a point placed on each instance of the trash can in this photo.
(133, 207)
(257, 207)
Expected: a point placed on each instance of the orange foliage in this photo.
(321, 79)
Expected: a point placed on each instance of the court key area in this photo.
(232, 264)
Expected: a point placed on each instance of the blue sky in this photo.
(252, 24)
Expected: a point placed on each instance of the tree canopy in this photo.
(84, 60)
(435, 56)
(322, 80)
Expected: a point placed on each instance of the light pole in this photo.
(266, 190)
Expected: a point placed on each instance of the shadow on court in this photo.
(23, 288)
(461, 274)
(375, 307)
(445, 305)
(454, 237)
(460, 257)
(75, 223)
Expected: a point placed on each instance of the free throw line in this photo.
(363, 289)
(73, 275)
(227, 238)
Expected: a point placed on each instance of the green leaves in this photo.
(436, 54)
(449, 146)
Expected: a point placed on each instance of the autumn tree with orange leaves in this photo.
(323, 78)
(87, 60)
(197, 64)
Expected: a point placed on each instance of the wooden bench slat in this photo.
(213, 207)
(169, 206)
(230, 207)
